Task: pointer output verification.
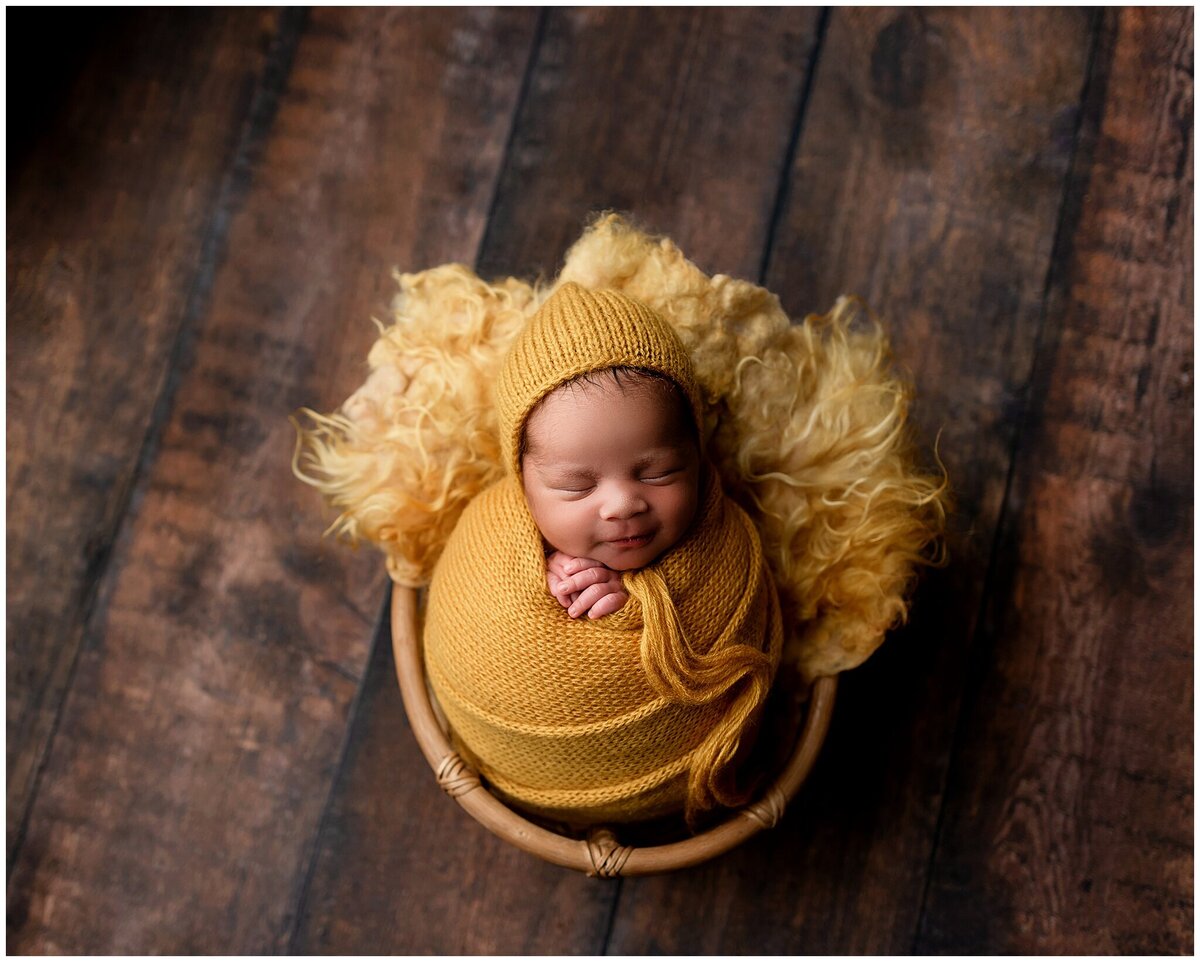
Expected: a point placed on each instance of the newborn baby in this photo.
(640, 698)
(611, 471)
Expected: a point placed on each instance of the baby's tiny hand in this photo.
(582, 585)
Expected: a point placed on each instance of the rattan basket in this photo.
(600, 853)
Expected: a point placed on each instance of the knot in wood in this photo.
(607, 854)
(768, 810)
(455, 777)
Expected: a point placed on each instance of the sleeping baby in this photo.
(610, 464)
(601, 629)
(641, 697)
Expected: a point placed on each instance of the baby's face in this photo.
(611, 472)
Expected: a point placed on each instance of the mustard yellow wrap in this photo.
(639, 714)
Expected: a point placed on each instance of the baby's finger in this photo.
(575, 565)
(587, 598)
(587, 578)
(559, 589)
(608, 605)
(562, 593)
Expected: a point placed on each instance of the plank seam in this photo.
(257, 119)
(299, 900)
(784, 191)
(1091, 100)
(612, 915)
(535, 47)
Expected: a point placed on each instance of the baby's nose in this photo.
(620, 502)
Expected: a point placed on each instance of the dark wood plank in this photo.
(197, 746)
(1069, 812)
(928, 178)
(401, 869)
(113, 178)
(680, 116)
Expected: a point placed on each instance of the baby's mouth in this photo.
(636, 541)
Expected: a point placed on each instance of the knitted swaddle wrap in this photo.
(640, 713)
(631, 716)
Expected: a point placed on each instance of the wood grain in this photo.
(1069, 814)
(113, 194)
(928, 178)
(196, 749)
(401, 869)
(680, 116)
(203, 210)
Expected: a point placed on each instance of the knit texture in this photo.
(641, 713)
(576, 331)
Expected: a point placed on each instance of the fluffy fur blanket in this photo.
(805, 422)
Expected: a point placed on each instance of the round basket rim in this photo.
(600, 854)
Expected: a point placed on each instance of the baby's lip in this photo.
(636, 536)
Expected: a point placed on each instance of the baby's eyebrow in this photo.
(560, 470)
(658, 454)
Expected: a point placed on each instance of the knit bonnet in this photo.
(574, 332)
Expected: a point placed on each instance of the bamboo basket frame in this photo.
(600, 854)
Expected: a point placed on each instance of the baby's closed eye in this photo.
(572, 484)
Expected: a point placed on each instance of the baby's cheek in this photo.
(568, 526)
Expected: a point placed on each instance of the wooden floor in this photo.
(206, 748)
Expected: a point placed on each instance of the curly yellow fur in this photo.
(805, 423)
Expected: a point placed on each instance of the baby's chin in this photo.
(613, 556)
(629, 559)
